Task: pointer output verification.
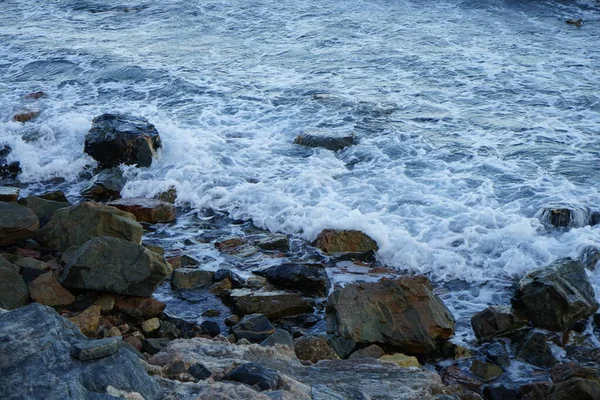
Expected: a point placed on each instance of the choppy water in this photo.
(472, 115)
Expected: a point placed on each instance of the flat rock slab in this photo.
(147, 210)
(271, 304)
(17, 223)
(9, 194)
(93, 349)
(311, 279)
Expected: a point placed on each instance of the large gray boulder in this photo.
(401, 312)
(37, 362)
(114, 265)
(122, 139)
(17, 223)
(556, 296)
(73, 226)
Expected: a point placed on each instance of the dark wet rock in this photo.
(88, 320)
(31, 274)
(44, 209)
(189, 278)
(122, 139)
(8, 169)
(311, 279)
(199, 371)
(255, 374)
(9, 194)
(140, 307)
(575, 388)
(147, 210)
(485, 371)
(496, 321)
(576, 22)
(153, 346)
(55, 195)
(46, 290)
(107, 185)
(314, 348)
(558, 217)
(36, 95)
(274, 242)
(168, 330)
(17, 223)
(565, 371)
(500, 392)
(222, 273)
(26, 115)
(536, 351)
(556, 296)
(275, 304)
(454, 376)
(401, 312)
(232, 320)
(534, 391)
(332, 241)
(168, 196)
(254, 327)
(328, 142)
(13, 290)
(496, 353)
(342, 346)
(114, 265)
(73, 226)
(34, 335)
(372, 351)
(236, 246)
(93, 349)
(280, 337)
(590, 256)
(210, 328)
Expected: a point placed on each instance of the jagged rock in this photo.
(328, 142)
(222, 273)
(199, 371)
(280, 337)
(274, 242)
(536, 351)
(73, 226)
(454, 376)
(9, 170)
(485, 371)
(140, 307)
(556, 296)
(496, 321)
(590, 256)
(188, 278)
(46, 290)
(402, 360)
(256, 375)
(9, 194)
(311, 279)
(35, 335)
(114, 265)
(342, 346)
(372, 351)
(401, 312)
(496, 353)
(107, 185)
(147, 210)
(271, 304)
(314, 348)
(88, 320)
(565, 371)
(55, 195)
(13, 291)
(122, 139)
(253, 327)
(168, 196)
(17, 223)
(93, 349)
(44, 209)
(332, 241)
(575, 388)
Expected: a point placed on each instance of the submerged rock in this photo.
(35, 335)
(73, 226)
(332, 241)
(122, 139)
(400, 312)
(328, 142)
(114, 265)
(556, 296)
(17, 223)
(147, 210)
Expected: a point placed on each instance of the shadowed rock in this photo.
(328, 142)
(17, 223)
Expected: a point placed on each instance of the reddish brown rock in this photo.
(45, 289)
(25, 116)
(146, 210)
(36, 95)
(332, 241)
(140, 307)
(88, 320)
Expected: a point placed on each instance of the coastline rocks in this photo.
(575, 388)
(46, 290)
(13, 290)
(328, 142)
(253, 327)
(146, 210)
(189, 278)
(34, 336)
(107, 185)
(256, 375)
(88, 320)
(311, 279)
(73, 226)
(17, 223)
(556, 296)
(332, 241)
(9, 194)
(495, 321)
(272, 304)
(118, 138)
(401, 312)
(44, 209)
(536, 351)
(140, 307)
(275, 242)
(314, 348)
(114, 265)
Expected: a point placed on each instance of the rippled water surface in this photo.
(471, 115)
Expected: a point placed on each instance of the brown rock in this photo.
(168, 196)
(56, 195)
(17, 223)
(333, 241)
(151, 325)
(147, 210)
(575, 388)
(9, 194)
(271, 304)
(454, 376)
(372, 351)
(25, 116)
(35, 95)
(133, 341)
(314, 348)
(485, 371)
(401, 360)
(565, 371)
(88, 320)
(45, 289)
(140, 307)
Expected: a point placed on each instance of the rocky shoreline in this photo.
(77, 283)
